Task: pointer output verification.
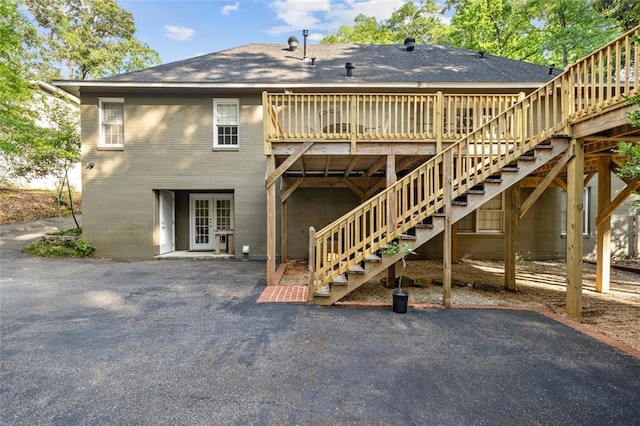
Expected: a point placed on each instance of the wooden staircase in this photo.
(430, 226)
(453, 183)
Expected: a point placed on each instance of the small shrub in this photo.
(79, 248)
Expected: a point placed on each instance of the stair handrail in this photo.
(592, 85)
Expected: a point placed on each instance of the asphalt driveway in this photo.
(183, 343)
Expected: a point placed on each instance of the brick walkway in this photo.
(284, 294)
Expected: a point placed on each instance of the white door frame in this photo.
(167, 220)
(207, 236)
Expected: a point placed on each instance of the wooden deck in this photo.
(409, 155)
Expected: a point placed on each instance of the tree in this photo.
(417, 20)
(16, 118)
(626, 12)
(366, 30)
(572, 29)
(501, 27)
(90, 38)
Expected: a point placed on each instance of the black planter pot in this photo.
(400, 301)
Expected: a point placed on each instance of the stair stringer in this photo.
(423, 235)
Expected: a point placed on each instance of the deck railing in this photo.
(377, 117)
(591, 86)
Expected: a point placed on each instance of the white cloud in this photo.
(176, 32)
(326, 16)
(226, 10)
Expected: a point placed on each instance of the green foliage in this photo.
(630, 167)
(501, 27)
(79, 248)
(625, 12)
(92, 38)
(417, 20)
(573, 29)
(394, 248)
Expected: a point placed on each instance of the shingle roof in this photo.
(256, 63)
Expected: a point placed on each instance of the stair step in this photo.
(424, 226)
(510, 168)
(356, 269)
(527, 157)
(459, 203)
(544, 146)
(406, 237)
(324, 291)
(475, 191)
(493, 179)
(372, 258)
(340, 280)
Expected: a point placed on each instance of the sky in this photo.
(179, 29)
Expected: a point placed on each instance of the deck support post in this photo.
(575, 215)
(603, 257)
(391, 179)
(312, 263)
(512, 205)
(283, 231)
(271, 223)
(447, 174)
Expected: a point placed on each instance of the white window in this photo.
(111, 122)
(586, 200)
(488, 219)
(226, 117)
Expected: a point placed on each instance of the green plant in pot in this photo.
(400, 296)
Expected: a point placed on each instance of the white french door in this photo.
(209, 213)
(167, 222)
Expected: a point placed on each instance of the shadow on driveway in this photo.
(183, 342)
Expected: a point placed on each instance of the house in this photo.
(180, 155)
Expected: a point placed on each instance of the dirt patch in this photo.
(21, 205)
(541, 285)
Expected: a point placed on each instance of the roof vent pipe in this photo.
(409, 44)
(551, 67)
(349, 67)
(293, 43)
(305, 34)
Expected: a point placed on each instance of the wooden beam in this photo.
(327, 164)
(374, 189)
(351, 165)
(603, 247)
(620, 198)
(271, 223)
(512, 204)
(391, 178)
(312, 263)
(353, 187)
(273, 176)
(575, 210)
(454, 243)
(546, 181)
(447, 172)
(562, 184)
(380, 162)
(588, 178)
(288, 191)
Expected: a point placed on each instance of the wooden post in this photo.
(575, 207)
(271, 223)
(454, 243)
(603, 257)
(512, 204)
(283, 231)
(447, 171)
(312, 263)
(439, 121)
(391, 179)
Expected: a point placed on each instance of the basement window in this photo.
(586, 200)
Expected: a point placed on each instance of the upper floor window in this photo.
(111, 122)
(226, 114)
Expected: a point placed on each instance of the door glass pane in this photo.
(223, 214)
(202, 221)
